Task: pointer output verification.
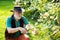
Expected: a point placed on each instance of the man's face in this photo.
(17, 14)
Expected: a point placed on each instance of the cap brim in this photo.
(11, 10)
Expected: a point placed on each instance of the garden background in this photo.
(44, 15)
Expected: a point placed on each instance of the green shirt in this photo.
(8, 24)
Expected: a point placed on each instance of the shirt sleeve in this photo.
(25, 20)
(8, 22)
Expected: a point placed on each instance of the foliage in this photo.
(45, 13)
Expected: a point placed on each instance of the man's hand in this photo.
(29, 27)
(23, 30)
(32, 28)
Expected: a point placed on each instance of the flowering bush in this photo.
(46, 19)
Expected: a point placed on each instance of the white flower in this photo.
(36, 23)
(23, 10)
(46, 14)
(38, 20)
(32, 18)
(26, 35)
(17, 0)
(34, 31)
(40, 13)
(55, 18)
(25, 3)
(51, 17)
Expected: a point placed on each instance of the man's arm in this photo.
(13, 30)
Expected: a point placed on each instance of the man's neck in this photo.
(16, 19)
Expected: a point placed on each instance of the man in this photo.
(15, 29)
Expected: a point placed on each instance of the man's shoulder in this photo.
(9, 18)
(23, 17)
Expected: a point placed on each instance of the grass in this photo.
(5, 7)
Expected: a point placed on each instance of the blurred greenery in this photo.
(42, 14)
